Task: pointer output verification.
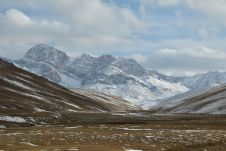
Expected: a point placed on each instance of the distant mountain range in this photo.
(117, 76)
(212, 101)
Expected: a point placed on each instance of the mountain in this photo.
(197, 84)
(202, 81)
(212, 101)
(199, 81)
(29, 98)
(117, 76)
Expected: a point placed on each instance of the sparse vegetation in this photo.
(172, 133)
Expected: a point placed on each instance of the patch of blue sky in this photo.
(133, 5)
(222, 33)
(6, 5)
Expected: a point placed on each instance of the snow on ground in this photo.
(139, 91)
(3, 107)
(39, 110)
(213, 104)
(34, 96)
(142, 89)
(72, 149)
(27, 94)
(130, 92)
(213, 107)
(104, 98)
(62, 100)
(69, 82)
(118, 114)
(70, 104)
(16, 83)
(134, 129)
(12, 119)
(10, 89)
(152, 138)
(173, 87)
(70, 110)
(112, 70)
(133, 150)
(28, 143)
(74, 127)
(2, 126)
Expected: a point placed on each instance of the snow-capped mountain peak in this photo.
(117, 76)
(130, 66)
(47, 54)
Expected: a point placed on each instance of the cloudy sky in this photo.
(176, 37)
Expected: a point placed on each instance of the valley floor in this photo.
(196, 133)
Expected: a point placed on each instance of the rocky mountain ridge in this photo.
(118, 76)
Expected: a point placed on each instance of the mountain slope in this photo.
(197, 84)
(115, 103)
(30, 96)
(201, 81)
(212, 101)
(111, 75)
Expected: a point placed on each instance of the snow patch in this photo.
(18, 84)
(70, 110)
(72, 149)
(12, 119)
(2, 126)
(39, 110)
(73, 105)
(69, 82)
(133, 150)
(29, 144)
(34, 96)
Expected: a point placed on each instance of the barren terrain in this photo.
(179, 132)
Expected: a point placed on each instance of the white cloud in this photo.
(163, 3)
(17, 21)
(167, 51)
(97, 27)
(18, 18)
(55, 26)
(19, 32)
(83, 25)
(169, 2)
(214, 8)
(139, 58)
(183, 61)
(199, 52)
(98, 18)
